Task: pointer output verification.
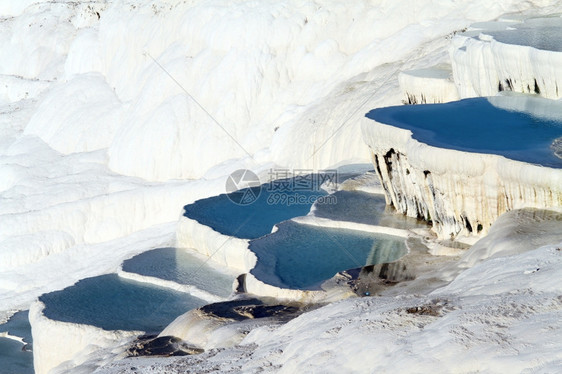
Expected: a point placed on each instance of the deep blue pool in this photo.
(180, 266)
(475, 125)
(14, 359)
(113, 303)
(301, 256)
(276, 202)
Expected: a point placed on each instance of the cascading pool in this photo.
(276, 202)
(365, 208)
(16, 358)
(182, 267)
(539, 33)
(113, 303)
(299, 256)
(480, 125)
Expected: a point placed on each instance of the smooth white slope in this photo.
(255, 67)
(15, 8)
(80, 115)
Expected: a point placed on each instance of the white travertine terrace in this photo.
(509, 56)
(432, 85)
(460, 192)
(225, 250)
(63, 343)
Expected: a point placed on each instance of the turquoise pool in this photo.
(365, 208)
(113, 303)
(539, 33)
(14, 359)
(475, 125)
(277, 201)
(180, 266)
(299, 256)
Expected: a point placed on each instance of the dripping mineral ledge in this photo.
(466, 186)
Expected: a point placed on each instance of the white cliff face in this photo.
(425, 86)
(65, 345)
(254, 286)
(224, 250)
(509, 56)
(460, 192)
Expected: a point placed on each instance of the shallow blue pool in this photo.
(365, 208)
(276, 202)
(13, 358)
(475, 125)
(179, 266)
(539, 33)
(113, 303)
(302, 257)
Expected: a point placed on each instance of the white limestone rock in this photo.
(222, 249)
(432, 85)
(61, 346)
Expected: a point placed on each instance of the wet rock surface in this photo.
(434, 308)
(415, 271)
(425, 310)
(252, 308)
(369, 280)
(163, 346)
